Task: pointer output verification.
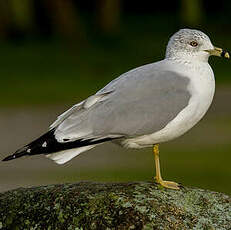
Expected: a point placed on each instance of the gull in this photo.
(143, 107)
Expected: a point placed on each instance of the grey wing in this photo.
(139, 102)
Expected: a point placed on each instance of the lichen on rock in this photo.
(88, 205)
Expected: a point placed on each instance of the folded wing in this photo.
(139, 102)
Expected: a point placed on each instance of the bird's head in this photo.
(188, 44)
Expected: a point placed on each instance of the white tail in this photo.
(66, 155)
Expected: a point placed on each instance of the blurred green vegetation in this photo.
(62, 51)
(52, 71)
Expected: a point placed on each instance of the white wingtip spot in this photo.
(44, 145)
(28, 150)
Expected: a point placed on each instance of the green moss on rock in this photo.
(88, 205)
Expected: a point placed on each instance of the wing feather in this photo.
(140, 102)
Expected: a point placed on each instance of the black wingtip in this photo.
(19, 153)
(11, 157)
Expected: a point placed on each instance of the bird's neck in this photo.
(189, 64)
(200, 57)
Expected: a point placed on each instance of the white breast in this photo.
(202, 88)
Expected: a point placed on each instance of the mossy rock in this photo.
(88, 205)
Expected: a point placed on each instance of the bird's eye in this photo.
(193, 43)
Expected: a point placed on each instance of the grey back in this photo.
(141, 101)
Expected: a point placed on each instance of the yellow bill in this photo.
(219, 52)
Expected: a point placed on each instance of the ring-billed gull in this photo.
(144, 107)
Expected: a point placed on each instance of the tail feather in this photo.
(66, 155)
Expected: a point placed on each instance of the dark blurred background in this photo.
(54, 53)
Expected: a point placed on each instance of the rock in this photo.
(88, 205)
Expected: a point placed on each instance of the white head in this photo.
(192, 45)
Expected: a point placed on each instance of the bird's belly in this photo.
(198, 105)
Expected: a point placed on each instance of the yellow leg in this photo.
(159, 180)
